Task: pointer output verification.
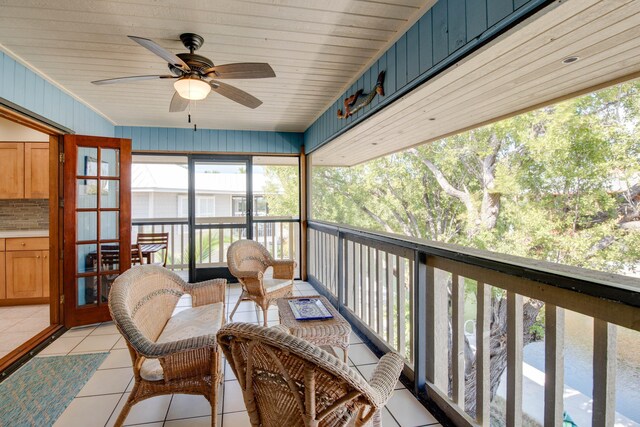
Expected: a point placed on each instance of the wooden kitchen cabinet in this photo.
(36, 170)
(25, 170)
(24, 274)
(24, 270)
(12, 167)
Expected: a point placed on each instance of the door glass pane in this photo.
(220, 193)
(87, 193)
(110, 162)
(108, 225)
(110, 257)
(109, 194)
(87, 228)
(87, 290)
(105, 286)
(87, 161)
(87, 258)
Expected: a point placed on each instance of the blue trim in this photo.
(446, 33)
(27, 92)
(210, 140)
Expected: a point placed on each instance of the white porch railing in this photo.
(408, 295)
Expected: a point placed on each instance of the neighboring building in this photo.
(160, 191)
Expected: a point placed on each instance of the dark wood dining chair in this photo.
(150, 243)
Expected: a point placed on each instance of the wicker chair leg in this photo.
(265, 312)
(242, 295)
(127, 407)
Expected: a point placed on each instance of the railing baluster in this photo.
(483, 333)
(604, 373)
(553, 365)
(293, 238)
(457, 345)
(402, 349)
(514, 359)
(363, 282)
(371, 269)
(437, 328)
(379, 304)
(390, 300)
(411, 296)
(356, 279)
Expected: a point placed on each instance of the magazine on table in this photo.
(309, 309)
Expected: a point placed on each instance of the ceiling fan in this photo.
(196, 74)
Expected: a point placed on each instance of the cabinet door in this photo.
(45, 273)
(36, 170)
(12, 167)
(24, 274)
(3, 288)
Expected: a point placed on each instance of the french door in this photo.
(97, 223)
(220, 212)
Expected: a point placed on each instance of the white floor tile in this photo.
(246, 316)
(62, 345)
(106, 329)
(192, 422)
(117, 358)
(88, 411)
(107, 382)
(96, 343)
(32, 324)
(354, 339)
(82, 331)
(408, 411)
(387, 419)
(361, 355)
(121, 344)
(236, 419)
(148, 411)
(228, 373)
(244, 306)
(188, 406)
(233, 400)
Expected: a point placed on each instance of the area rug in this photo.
(37, 393)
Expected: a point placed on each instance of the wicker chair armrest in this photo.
(190, 363)
(281, 328)
(283, 269)
(152, 350)
(207, 292)
(384, 378)
(245, 274)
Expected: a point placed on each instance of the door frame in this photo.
(196, 274)
(56, 307)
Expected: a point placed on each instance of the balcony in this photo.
(460, 316)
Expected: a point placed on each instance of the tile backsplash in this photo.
(24, 214)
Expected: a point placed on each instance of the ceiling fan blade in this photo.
(132, 79)
(161, 52)
(243, 70)
(178, 103)
(235, 94)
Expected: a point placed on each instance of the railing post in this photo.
(604, 373)
(553, 364)
(340, 290)
(420, 321)
(514, 359)
(437, 328)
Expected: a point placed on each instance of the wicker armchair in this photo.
(247, 261)
(287, 381)
(170, 354)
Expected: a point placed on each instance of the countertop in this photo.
(7, 234)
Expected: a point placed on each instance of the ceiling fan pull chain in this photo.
(189, 117)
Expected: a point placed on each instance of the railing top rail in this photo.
(615, 287)
(159, 221)
(210, 220)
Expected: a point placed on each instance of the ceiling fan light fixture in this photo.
(192, 88)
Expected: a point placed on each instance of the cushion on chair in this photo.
(271, 285)
(192, 322)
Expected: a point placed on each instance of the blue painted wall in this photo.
(28, 90)
(210, 140)
(448, 31)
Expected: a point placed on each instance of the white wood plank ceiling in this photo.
(315, 47)
(520, 70)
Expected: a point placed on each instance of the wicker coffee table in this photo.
(326, 333)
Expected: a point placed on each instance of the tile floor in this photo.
(19, 323)
(101, 399)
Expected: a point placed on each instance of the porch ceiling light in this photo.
(192, 88)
